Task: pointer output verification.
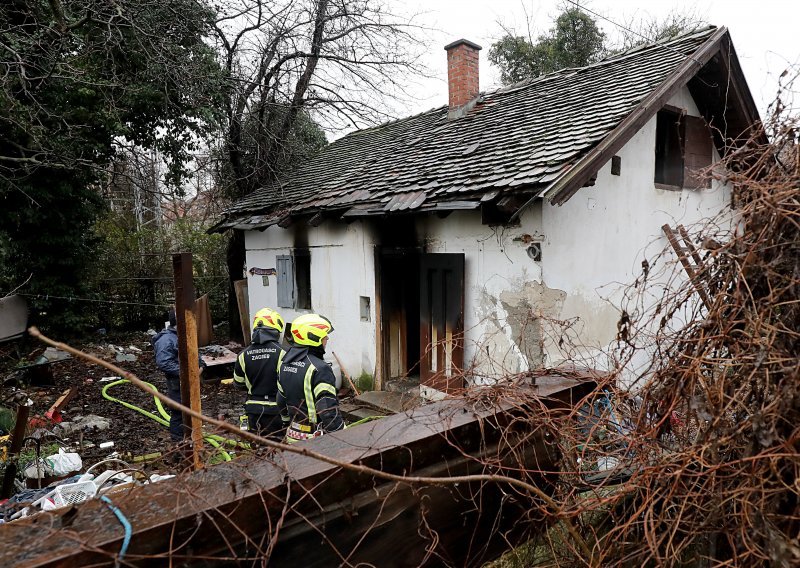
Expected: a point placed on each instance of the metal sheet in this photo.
(13, 317)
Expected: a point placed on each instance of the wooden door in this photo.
(442, 321)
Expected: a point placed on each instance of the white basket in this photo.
(71, 493)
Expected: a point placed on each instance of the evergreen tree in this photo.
(78, 78)
(574, 41)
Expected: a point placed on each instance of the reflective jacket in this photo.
(307, 390)
(256, 370)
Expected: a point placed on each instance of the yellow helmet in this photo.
(310, 329)
(266, 317)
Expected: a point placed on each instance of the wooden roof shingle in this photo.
(522, 138)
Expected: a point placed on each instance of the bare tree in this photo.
(338, 59)
(293, 62)
(637, 31)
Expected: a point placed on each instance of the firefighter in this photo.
(306, 384)
(256, 370)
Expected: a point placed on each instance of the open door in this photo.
(399, 313)
(442, 321)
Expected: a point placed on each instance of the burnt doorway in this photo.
(400, 312)
(442, 321)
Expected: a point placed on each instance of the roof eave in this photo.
(567, 185)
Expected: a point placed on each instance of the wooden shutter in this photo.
(698, 152)
(442, 321)
(284, 265)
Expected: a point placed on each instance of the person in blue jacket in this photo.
(165, 344)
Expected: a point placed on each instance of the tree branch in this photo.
(305, 451)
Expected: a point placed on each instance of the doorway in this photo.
(422, 319)
(442, 321)
(400, 333)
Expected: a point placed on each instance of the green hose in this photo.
(363, 420)
(212, 439)
(163, 419)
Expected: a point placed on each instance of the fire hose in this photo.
(163, 417)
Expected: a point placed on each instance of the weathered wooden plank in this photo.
(320, 514)
(187, 351)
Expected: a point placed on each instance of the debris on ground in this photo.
(73, 489)
(51, 355)
(70, 409)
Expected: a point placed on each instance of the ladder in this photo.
(690, 259)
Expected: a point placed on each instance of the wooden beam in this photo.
(243, 302)
(187, 351)
(320, 512)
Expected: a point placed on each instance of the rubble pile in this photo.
(67, 415)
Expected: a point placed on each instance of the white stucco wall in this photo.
(342, 270)
(517, 311)
(596, 242)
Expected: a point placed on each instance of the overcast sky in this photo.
(766, 34)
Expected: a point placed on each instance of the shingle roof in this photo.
(519, 138)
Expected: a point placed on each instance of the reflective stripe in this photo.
(236, 377)
(262, 402)
(301, 427)
(246, 380)
(310, 405)
(324, 387)
(299, 432)
(278, 368)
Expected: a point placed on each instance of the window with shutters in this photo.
(285, 269)
(683, 149)
(294, 279)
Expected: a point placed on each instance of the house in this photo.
(446, 246)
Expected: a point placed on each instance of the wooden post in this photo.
(17, 436)
(243, 300)
(187, 351)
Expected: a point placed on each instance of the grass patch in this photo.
(365, 382)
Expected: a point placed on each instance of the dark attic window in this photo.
(684, 148)
(670, 134)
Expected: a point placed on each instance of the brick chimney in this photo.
(462, 76)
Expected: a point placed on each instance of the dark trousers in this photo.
(267, 425)
(175, 416)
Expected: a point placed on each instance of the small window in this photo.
(670, 128)
(294, 279)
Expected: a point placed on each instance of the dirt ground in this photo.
(134, 435)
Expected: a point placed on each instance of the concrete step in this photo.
(390, 402)
(354, 412)
(407, 385)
